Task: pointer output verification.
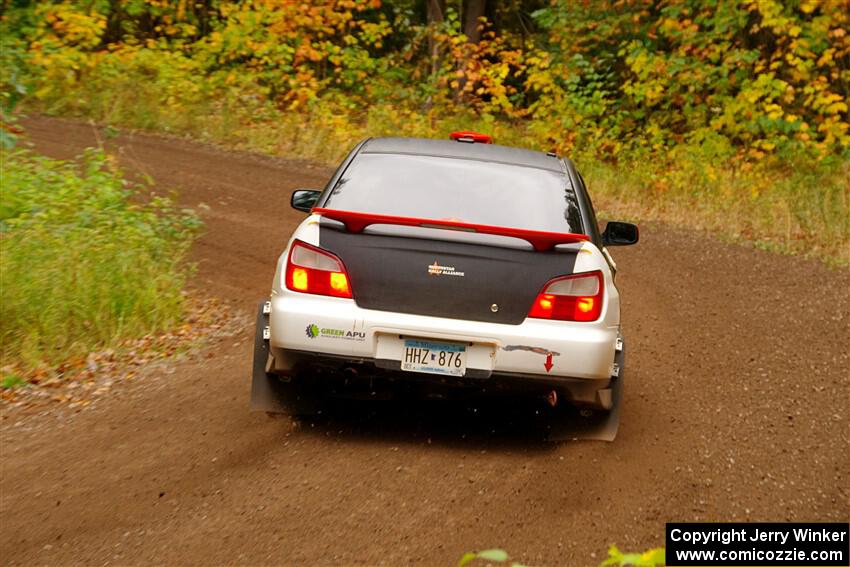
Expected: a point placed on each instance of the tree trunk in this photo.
(472, 19)
(436, 16)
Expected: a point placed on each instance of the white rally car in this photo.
(444, 267)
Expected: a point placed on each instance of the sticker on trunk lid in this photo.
(436, 269)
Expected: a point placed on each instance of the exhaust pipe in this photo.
(552, 398)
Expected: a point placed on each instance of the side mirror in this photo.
(304, 199)
(620, 234)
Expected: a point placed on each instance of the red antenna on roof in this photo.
(471, 137)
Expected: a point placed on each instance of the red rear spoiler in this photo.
(540, 240)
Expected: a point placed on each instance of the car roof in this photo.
(462, 150)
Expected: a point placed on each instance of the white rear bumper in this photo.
(333, 326)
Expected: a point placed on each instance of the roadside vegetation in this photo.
(732, 117)
(651, 558)
(87, 260)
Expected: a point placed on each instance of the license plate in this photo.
(433, 357)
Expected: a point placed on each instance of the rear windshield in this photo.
(458, 189)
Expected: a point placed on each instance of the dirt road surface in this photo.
(736, 408)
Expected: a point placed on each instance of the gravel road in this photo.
(736, 408)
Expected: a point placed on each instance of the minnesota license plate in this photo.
(433, 357)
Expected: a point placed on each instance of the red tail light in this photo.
(313, 270)
(571, 298)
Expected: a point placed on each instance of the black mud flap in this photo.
(567, 424)
(267, 391)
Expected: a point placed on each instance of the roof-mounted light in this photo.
(471, 137)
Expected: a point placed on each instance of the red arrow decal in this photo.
(548, 363)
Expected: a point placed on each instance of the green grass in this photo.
(780, 209)
(12, 381)
(86, 258)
